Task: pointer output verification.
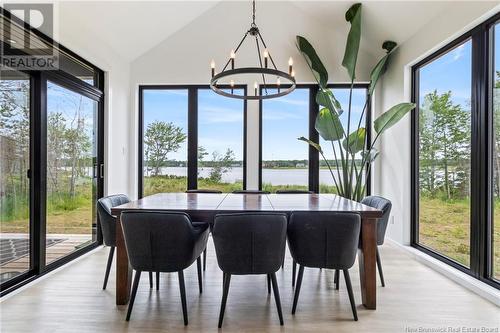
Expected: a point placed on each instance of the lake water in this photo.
(270, 176)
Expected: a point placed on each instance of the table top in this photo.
(230, 202)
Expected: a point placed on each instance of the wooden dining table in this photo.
(202, 207)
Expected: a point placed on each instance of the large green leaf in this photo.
(381, 66)
(353, 15)
(325, 98)
(313, 60)
(392, 116)
(328, 125)
(312, 143)
(356, 141)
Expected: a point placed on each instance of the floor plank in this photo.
(71, 300)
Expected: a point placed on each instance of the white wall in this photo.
(392, 172)
(184, 57)
(117, 94)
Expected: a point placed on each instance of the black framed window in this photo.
(189, 138)
(454, 154)
(52, 144)
(285, 162)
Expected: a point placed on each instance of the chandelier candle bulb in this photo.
(255, 88)
(232, 85)
(266, 56)
(232, 55)
(212, 66)
(290, 64)
(278, 83)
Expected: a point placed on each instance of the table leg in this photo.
(123, 270)
(367, 262)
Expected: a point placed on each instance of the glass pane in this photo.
(220, 141)
(496, 155)
(358, 116)
(71, 186)
(444, 152)
(285, 160)
(165, 141)
(14, 164)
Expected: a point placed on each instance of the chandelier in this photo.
(230, 72)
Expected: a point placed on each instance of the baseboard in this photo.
(476, 286)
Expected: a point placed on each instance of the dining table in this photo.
(202, 207)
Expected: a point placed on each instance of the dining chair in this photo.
(249, 244)
(163, 242)
(204, 191)
(108, 226)
(324, 240)
(385, 206)
(251, 192)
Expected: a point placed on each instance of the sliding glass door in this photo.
(71, 179)
(15, 112)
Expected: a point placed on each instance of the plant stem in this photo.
(339, 190)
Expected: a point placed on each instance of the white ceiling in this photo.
(131, 28)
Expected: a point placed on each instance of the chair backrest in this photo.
(204, 191)
(324, 239)
(385, 206)
(251, 192)
(250, 243)
(108, 221)
(294, 192)
(159, 241)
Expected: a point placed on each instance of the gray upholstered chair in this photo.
(108, 225)
(250, 192)
(163, 242)
(385, 206)
(324, 240)
(250, 243)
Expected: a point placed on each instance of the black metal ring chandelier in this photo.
(262, 70)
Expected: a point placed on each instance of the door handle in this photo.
(101, 171)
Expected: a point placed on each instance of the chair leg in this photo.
(336, 279)
(134, 292)
(294, 272)
(198, 265)
(268, 284)
(347, 279)
(379, 266)
(277, 297)
(183, 297)
(297, 289)
(151, 280)
(108, 267)
(225, 292)
(157, 280)
(205, 259)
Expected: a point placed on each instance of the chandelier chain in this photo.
(253, 13)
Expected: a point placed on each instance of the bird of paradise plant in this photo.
(346, 172)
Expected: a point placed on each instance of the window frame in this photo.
(192, 131)
(38, 149)
(314, 159)
(481, 154)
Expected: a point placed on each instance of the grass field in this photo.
(444, 225)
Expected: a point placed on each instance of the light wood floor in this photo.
(415, 297)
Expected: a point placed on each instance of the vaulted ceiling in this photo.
(131, 28)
